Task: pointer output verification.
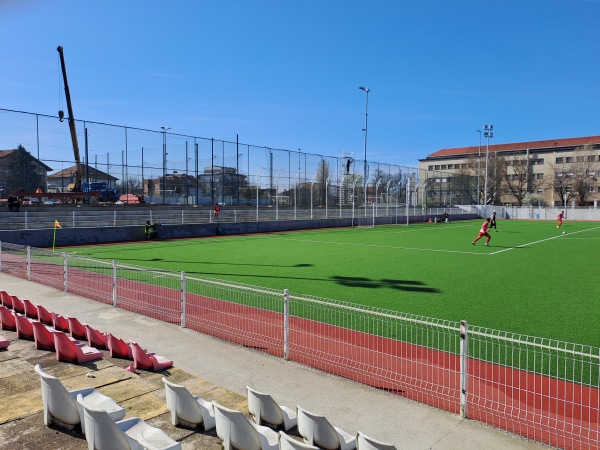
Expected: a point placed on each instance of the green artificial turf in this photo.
(531, 280)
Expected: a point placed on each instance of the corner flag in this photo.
(56, 225)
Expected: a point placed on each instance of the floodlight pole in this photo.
(257, 186)
(479, 171)
(367, 90)
(407, 199)
(164, 132)
(387, 198)
(487, 133)
(326, 194)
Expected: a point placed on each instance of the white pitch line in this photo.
(542, 240)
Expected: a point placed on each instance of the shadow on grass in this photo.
(401, 285)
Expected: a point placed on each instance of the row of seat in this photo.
(102, 421)
(48, 331)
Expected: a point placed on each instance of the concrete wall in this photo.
(102, 235)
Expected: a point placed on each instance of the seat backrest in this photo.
(364, 442)
(7, 318)
(317, 430)
(140, 356)
(42, 336)
(234, 427)
(76, 329)
(262, 406)
(117, 347)
(64, 347)
(30, 309)
(60, 323)
(183, 402)
(56, 398)
(44, 315)
(24, 327)
(18, 305)
(94, 337)
(100, 431)
(289, 443)
(6, 299)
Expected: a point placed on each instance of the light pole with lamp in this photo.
(367, 90)
(487, 133)
(164, 186)
(479, 170)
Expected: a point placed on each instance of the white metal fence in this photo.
(543, 389)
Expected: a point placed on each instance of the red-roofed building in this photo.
(557, 170)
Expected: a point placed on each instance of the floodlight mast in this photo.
(61, 115)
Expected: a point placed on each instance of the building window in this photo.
(539, 176)
(430, 168)
(515, 177)
(580, 159)
(538, 162)
(591, 158)
(540, 190)
(437, 167)
(569, 159)
(591, 173)
(591, 188)
(444, 167)
(560, 160)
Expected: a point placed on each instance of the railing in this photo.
(542, 389)
(92, 218)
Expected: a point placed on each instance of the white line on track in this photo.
(542, 240)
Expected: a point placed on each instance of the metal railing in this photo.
(543, 389)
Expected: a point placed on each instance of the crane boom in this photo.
(78, 172)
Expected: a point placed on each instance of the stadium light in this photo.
(367, 90)
(487, 133)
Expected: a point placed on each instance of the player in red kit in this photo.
(560, 219)
(484, 232)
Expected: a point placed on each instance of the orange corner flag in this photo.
(57, 224)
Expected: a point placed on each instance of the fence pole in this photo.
(183, 299)
(28, 263)
(464, 354)
(114, 282)
(0, 256)
(65, 265)
(26, 220)
(286, 324)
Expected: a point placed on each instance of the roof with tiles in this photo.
(533, 145)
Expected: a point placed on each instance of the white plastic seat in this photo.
(135, 434)
(190, 409)
(237, 431)
(364, 442)
(61, 404)
(264, 409)
(289, 443)
(316, 430)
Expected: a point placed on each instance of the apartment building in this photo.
(552, 172)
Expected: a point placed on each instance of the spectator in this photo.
(150, 230)
(217, 211)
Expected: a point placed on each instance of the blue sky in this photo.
(286, 74)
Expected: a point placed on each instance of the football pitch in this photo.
(531, 280)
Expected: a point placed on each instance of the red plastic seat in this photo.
(24, 327)
(118, 348)
(43, 337)
(148, 361)
(4, 343)
(30, 309)
(60, 323)
(6, 299)
(44, 315)
(7, 319)
(67, 351)
(95, 338)
(76, 329)
(18, 305)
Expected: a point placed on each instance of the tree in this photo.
(574, 176)
(131, 185)
(518, 178)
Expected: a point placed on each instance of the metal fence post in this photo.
(26, 221)
(28, 263)
(114, 283)
(464, 354)
(65, 273)
(0, 256)
(286, 324)
(183, 299)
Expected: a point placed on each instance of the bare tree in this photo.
(518, 177)
(573, 176)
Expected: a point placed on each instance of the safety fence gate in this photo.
(543, 389)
